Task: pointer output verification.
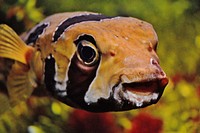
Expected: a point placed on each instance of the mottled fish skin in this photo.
(96, 63)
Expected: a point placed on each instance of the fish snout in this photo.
(142, 85)
(154, 63)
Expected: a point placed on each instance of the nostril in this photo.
(153, 62)
(162, 73)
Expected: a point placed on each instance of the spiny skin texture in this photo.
(96, 63)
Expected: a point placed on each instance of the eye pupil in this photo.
(87, 53)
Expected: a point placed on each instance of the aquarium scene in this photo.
(177, 24)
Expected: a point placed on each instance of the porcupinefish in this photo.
(86, 60)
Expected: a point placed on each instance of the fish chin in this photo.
(140, 100)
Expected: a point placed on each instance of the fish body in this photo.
(86, 60)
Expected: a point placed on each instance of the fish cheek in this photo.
(80, 77)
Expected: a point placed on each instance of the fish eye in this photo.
(87, 52)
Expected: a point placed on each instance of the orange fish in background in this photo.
(86, 60)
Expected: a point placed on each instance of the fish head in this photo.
(114, 66)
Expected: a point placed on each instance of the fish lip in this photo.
(146, 86)
(142, 88)
(143, 93)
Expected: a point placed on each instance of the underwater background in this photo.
(177, 23)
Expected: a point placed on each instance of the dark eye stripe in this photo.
(35, 34)
(49, 73)
(79, 80)
(77, 19)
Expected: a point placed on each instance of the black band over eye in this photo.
(87, 52)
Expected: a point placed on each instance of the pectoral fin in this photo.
(20, 83)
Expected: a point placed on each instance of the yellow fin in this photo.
(21, 79)
(12, 46)
(20, 83)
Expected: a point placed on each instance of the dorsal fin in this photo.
(12, 47)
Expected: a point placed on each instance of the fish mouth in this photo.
(142, 88)
(143, 93)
